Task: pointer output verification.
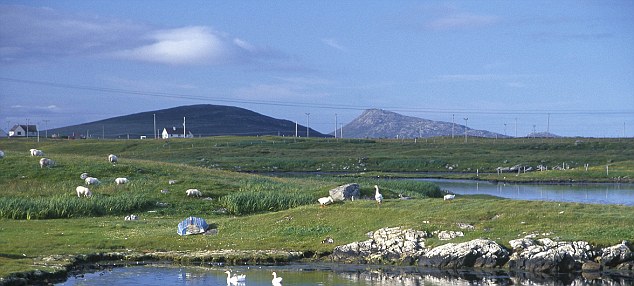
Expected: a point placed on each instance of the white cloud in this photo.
(188, 45)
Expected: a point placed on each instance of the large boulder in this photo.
(482, 253)
(344, 192)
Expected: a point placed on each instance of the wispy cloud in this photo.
(30, 33)
(460, 20)
(334, 44)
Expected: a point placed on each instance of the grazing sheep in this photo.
(121, 181)
(325, 201)
(131, 217)
(83, 176)
(46, 162)
(83, 191)
(91, 181)
(112, 158)
(193, 193)
(171, 182)
(36, 152)
(377, 196)
(448, 197)
(1, 154)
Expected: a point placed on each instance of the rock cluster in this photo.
(407, 247)
(394, 244)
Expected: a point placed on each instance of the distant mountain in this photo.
(201, 120)
(378, 123)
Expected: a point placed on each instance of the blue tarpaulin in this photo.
(192, 225)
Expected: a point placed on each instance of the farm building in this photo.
(23, 131)
(176, 133)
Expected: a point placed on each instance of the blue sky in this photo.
(562, 66)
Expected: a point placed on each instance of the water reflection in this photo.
(327, 274)
(580, 193)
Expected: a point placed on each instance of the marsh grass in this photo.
(282, 212)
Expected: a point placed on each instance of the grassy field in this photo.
(40, 213)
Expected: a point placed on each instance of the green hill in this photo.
(202, 120)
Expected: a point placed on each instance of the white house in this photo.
(176, 133)
(21, 131)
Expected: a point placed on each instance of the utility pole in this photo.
(295, 128)
(335, 125)
(515, 127)
(27, 128)
(184, 127)
(465, 129)
(504, 129)
(155, 126)
(46, 128)
(307, 124)
(548, 124)
(452, 124)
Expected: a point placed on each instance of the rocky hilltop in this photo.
(379, 123)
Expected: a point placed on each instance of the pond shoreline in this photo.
(67, 266)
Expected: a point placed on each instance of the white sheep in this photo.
(112, 158)
(1, 154)
(83, 176)
(131, 217)
(121, 181)
(325, 201)
(193, 193)
(449, 197)
(36, 152)
(83, 191)
(46, 162)
(92, 181)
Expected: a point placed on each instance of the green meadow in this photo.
(253, 202)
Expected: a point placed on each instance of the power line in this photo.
(313, 105)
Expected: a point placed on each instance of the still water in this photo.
(318, 274)
(579, 193)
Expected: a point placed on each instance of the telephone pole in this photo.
(465, 129)
(307, 124)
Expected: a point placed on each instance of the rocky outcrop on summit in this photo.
(378, 123)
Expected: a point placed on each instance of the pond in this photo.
(593, 193)
(329, 274)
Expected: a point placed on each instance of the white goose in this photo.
(231, 280)
(276, 280)
(377, 196)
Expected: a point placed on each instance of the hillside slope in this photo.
(201, 120)
(378, 123)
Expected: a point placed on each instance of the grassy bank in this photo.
(40, 213)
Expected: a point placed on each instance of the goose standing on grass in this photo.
(276, 280)
(377, 196)
(232, 280)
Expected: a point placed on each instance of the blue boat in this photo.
(192, 225)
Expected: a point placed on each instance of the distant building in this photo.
(23, 131)
(176, 133)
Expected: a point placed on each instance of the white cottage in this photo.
(176, 133)
(23, 131)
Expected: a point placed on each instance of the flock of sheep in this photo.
(84, 191)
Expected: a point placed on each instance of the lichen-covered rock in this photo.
(617, 254)
(547, 255)
(448, 235)
(344, 192)
(391, 245)
(482, 253)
